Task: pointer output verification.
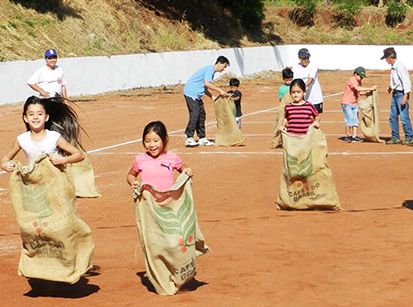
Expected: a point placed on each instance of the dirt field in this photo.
(359, 256)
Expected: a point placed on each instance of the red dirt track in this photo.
(360, 256)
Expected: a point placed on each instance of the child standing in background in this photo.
(156, 166)
(236, 96)
(299, 114)
(349, 104)
(288, 76)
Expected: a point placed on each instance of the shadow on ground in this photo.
(46, 288)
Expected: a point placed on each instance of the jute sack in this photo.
(228, 133)
(279, 118)
(169, 234)
(83, 178)
(57, 245)
(370, 117)
(306, 181)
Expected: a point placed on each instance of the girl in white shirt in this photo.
(38, 139)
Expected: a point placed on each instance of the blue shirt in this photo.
(195, 86)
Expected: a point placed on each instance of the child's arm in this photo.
(363, 90)
(131, 178)
(6, 164)
(283, 125)
(316, 122)
(187, 170)
(74, 154)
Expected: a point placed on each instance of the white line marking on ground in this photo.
(270, 153)
(182, 130)
(322, 122)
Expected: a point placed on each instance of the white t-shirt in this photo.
(33, 149)
(313, 93)
(50, 80)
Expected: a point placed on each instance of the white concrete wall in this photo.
(94, 75)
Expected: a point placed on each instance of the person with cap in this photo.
(399, 87)
(308, 72)
(352, 91)
(49, 80)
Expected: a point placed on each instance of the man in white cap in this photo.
(308, 72)
(49, 80)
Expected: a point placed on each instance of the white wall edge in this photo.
(100, 74)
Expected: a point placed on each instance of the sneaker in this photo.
(347, 139)
(190, 142)
(393, 141)
(408, 142)
(356, 139)
(205, 142)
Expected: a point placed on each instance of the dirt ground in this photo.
(359, 256)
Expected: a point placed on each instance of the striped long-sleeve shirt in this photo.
(299, 117)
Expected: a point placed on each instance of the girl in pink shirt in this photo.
(156, 166)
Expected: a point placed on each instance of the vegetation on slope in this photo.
(107, 27)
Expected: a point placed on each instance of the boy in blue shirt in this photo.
(198, 85)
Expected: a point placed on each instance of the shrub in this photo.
(396, 12)
(303, 13)
(345, 11)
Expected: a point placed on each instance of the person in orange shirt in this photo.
(349, 104)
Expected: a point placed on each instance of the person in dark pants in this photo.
(399, 87)
(198, 85)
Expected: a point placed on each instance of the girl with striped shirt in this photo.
(299, 114)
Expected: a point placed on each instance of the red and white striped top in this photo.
(299, 117)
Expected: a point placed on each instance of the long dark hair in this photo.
(62, 118)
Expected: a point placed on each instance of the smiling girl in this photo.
(38, 139)
(156, 166)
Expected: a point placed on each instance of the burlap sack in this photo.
(57, 245)
(279, 118)
(169, 234)
(83, 178)
(306, 181)
(370, 117)
(228, 133)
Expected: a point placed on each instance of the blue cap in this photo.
(304, 53)
(50, 53)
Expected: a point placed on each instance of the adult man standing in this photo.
(199, 84)
(399, 87)
(308, 72)
(49, 80)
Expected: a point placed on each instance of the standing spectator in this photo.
(49, 80)
(308, 72)
(399, 87)
(198, 85)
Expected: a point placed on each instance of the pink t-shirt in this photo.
(351, 95)
(158, 172)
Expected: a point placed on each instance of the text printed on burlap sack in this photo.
(186, 271)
